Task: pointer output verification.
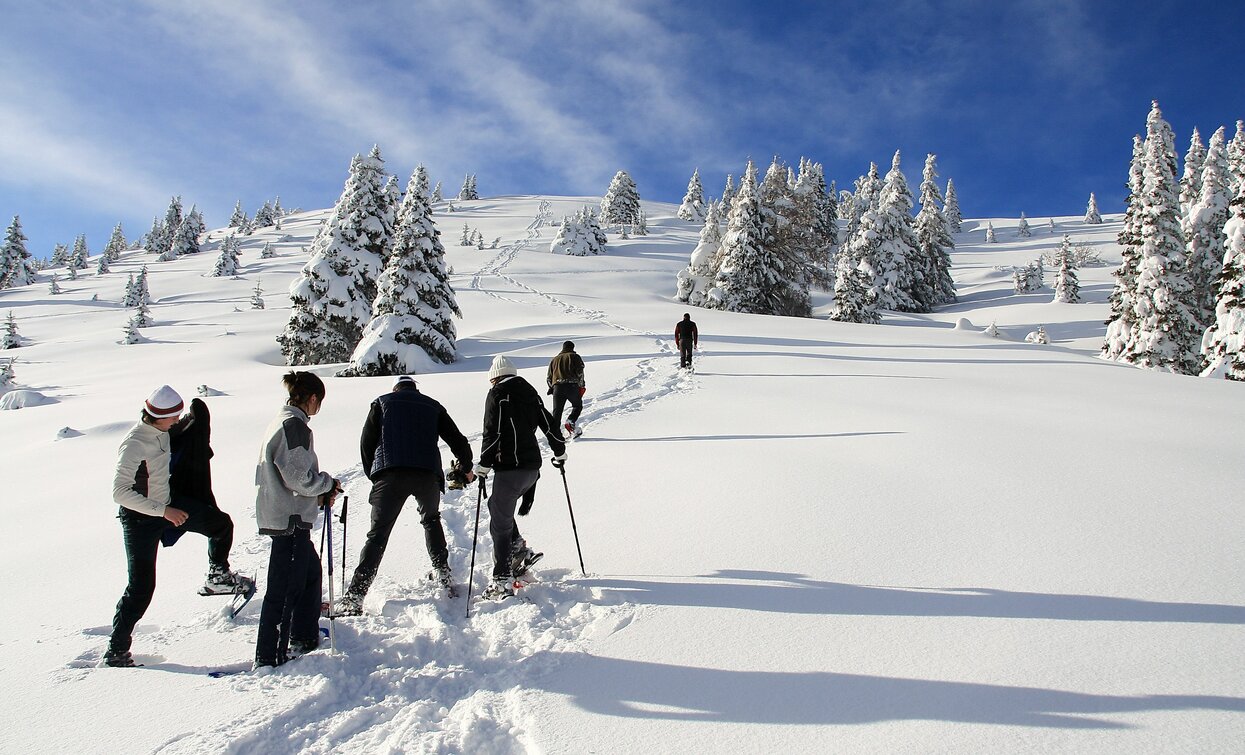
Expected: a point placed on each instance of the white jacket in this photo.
(288, 480)
(141, 482)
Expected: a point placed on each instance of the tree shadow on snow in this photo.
(795, 593)
(640, 689)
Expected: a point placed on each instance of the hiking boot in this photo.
(348, 605)
(499, 589)
(119, 659)
(441, 575)
(302, 647)
(522, 560)
(221, 580)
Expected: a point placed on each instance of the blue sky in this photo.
(109, 108)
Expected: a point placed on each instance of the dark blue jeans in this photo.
(142, 543)
(292, 597)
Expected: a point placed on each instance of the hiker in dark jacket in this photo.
(566, 383)
(685, 338)
(402, 459)
(513, 413)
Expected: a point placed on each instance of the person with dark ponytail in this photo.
(289, 490)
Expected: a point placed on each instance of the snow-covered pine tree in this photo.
(570, 238)
(477, 239)
(640, 227)
(227, 261)
(951, 208)
(54, 287)
(421, 183)
(934, 243)
(818, 210)
(267, 252)
(16, 264)
(1067, 284)
(465, 239)
(991, 238)
(130, 298)
(142, 316)
(264, 216)
(160, 240)
(1123, 297)
(153, 240)
(865, 197)
(116, 244)
(60, 257)
(1022, 228)
(593, 231)
(413, 316)
(11, 338)
(1203, 229)
(6, 373)
(468, 190)
(893, 244)
(437, 196)
(1191, 181)
(789, 238)
(1091, 211)
(750, 276)
(185, 239)
(101, 268)
(393, 200)
(693, 207)
(1223, 344)
(728, 195)
(1236, 159)
(239, 220)
(278, 212)
(129, 333)
(1165, 335)
(1050, 225)
(257, 297)
(621, 204)
(332, 298)
(695, 279)
(79, 254)
(854, 299)
(142, 290)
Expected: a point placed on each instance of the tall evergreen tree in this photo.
(1067, 283)
(1123, 296)
(332, 299)
(854, 297)
(1092, 215)
(257, 296)
(693, 207)
(185, 239)
(750, 277)
(728, 194)
(153, 241)
(934, 243)
(11, 339)
(116, 244)
(1236, 159)
(1191, 181)
(1203, 229)
(16, 264)
(951, 209)
(788, 238)
(1165, 335)
(60, 257)
(894, 244)
(103, 266)
(79, 254)
(991, 238)
(421, 183)
(1022, 228)
(227, 262)
(817, 210)
(468, 190)
(621, 204)
(415, 304)
(264, 217)
(437, 196)
(865, 197)
(1223, 344)
(160, 240)
(239, 219)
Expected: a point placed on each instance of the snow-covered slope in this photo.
(905, 537)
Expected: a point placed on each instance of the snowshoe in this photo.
(441, 577)
(522, 561)
(499, 589)
(119, 659)
(223, 582)
(347, 605)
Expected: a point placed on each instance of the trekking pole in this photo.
(562, 469)
(342, 518)
(328, 527)
(471, 571)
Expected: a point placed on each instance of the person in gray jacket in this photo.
(289, 490)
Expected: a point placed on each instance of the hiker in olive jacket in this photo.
(566, 383)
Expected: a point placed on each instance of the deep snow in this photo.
(904, 537)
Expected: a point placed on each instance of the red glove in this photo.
(582, 390)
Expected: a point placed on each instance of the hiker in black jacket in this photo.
(513, 413)
(401, 458)
(685, 338)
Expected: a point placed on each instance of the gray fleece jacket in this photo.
(288, 480)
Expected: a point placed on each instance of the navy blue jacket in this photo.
(402, 429)
(513, 413)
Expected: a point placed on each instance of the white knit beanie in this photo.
(164, 403)
(501, 367)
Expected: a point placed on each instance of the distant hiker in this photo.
(566, 383)
(289, 491)
(402, 459)
(513, 413)
(686, 339)
(154, 510)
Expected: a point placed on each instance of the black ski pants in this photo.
(509, 485)
(562, 393)
(685, 353)
(292, 596)
(390, 489)
(142, 543)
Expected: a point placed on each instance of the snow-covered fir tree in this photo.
(991, 238)
(788, 238)
(227, 261)
(102, 267)
(1050, 225)
(239, 219)
(570, 239)
(393, 197)
(1022, 228)
(153, 239)
(1223, 344)
(468, 190)
(1236, 159)
(951, 208)
(817, 209)
(332, 298)
(640, 227)
(185, 239)
(130, 298)
(865, 197)
(693, 207)
(854, 298)
(257, 296)
(621, 204)
(142, 289)
(264, 216)
(1165, 334)
(78, 255)
(477, 239)
(60, 256)
(129, 333)
(421, 183)
(16, 263)
(267, 251)
(595, 233)
(728, 194)
(1123, 297)
(413, 316)
(934, 243)
(1067, 283)
(893, 244)
(694, 280)
(1091, 211)
(1203, 228)
(160, 240)
(142, 316)
(116, 244)
(54, 287)
(7, 375)
(750, 277)
(466, 238)
(437, 196)
(11, 339)
(1191, 181)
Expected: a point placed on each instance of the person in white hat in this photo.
(513, 413)
(149, 510)
(402, 459)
